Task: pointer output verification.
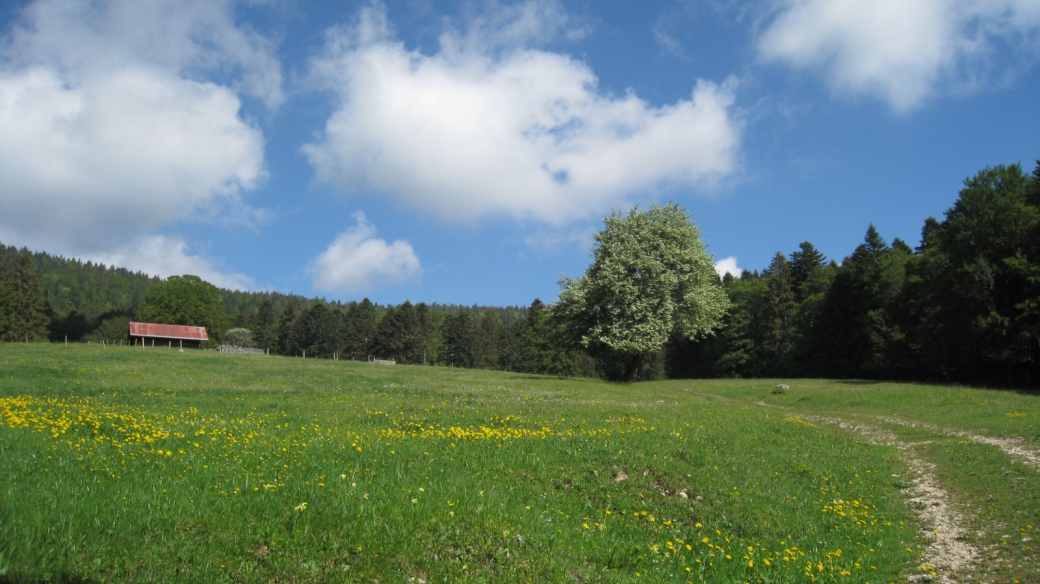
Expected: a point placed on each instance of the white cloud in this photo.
(491, 127)
(563, 239)
(159, 255)
(109, 128)
(524, 24)
(900, 51)
(186, 38)
(122, 153)
(728, 266)
(357, 261)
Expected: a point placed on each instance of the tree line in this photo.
(963, 305)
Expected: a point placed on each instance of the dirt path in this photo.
(952, 559)
(1011, 446)
(947, 554)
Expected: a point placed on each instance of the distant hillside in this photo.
(96, 289)
(92, 289)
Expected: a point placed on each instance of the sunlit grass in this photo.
(130, 465)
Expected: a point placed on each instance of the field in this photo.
(124, 465)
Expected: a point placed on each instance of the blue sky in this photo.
(465, 152)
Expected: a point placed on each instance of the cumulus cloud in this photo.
(109, 127)
(185, 38)
(119, 154)
(159, 255)
(491, 126)
(728, 266)
(357, 261)
(900, 51)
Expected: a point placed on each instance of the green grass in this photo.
(998, 496)
(154, 466)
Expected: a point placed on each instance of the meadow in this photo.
(129, 465)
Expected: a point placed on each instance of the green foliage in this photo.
(981, 282)
(459, 340)
(290, 339)
(23, 311)
(542, 351)
(263, 325)
(741, 341)
(91, 289)
(489, 341)
(72, 327)
(651, 278)
(511, 352)
(185, 300)
(805, 264)
(854, 333)
(780, 313)
(111, 330)
(361, 322)
(239, 337)
(401, 334)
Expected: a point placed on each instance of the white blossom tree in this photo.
(651, 277)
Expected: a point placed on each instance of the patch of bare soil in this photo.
(1011, 446)
(948, 558)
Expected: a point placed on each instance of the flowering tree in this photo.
(651, 277)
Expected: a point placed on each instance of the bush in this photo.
(239, 337)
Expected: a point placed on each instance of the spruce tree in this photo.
(400, 335)
(541, 352)
(511, 350)
(780, 312)
(287, 341)
(489, 339)
(23, 310)
(361, 322)
(263, 325)
(804, 262)
(873, 243)
(459, 338)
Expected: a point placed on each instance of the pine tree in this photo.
(288, 339)
(541, 352)
(459, 340)
(804, 262)
(23, 310)
(873, 242)
(780, 312)
(489, 339)
(361, 322)
(317, 331)
(400, 335)
(263, 325)
(512, 348)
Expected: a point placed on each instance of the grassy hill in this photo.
(129, 465)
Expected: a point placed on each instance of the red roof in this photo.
(168, 331)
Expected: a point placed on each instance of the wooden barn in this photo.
(146, 334)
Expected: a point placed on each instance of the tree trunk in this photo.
(632, 367)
